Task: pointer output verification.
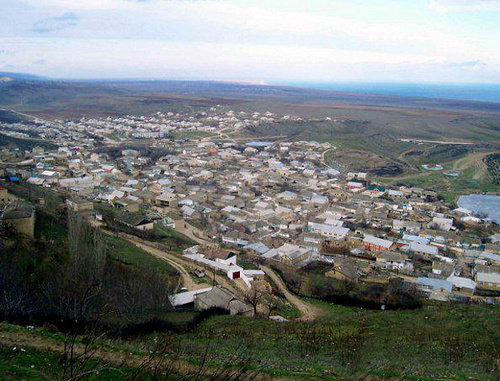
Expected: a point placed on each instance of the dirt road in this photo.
(192, 232)
(437, 142)
(187, 281)
(474, 160)
(308, 311)
(183, 265)
(114, 358)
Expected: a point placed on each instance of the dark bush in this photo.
(205, 314)
(153, 325)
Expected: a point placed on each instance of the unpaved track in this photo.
(323, 156)
(308, 311)
(112, 357)
(474, 160)
(192, 232)
(187, 281)
(183, 263)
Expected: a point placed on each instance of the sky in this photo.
(261, 41)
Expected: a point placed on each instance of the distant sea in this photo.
(482, 204)
(464, 92)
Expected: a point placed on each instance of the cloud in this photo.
(465, 5)
(473, 63)
(52, 24)
(40, 62)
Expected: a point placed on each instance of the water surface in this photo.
(488, 205)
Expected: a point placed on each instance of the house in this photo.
(372, 243)
(50, 176)
(444, 224)
(358, 176)
(461, 284)
(406, 226)
(135, 221)
(393, 261)
(334, 232)
(257, 248)
(442, 269)
(77, 204)
(344, 268)
(436, 289)
(220, 255)
(422, 249)
(184, 299)
(489, 258)
(488, 281)
(319, 201)
(6, 197)
(287, 196)
(126, 205)
(166, 200)
(288, 253)
(355, 186)
(189, 213)
(222, 298)
(21, 216)
(396, 194)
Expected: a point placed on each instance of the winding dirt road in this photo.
(186, 279)
(183, 265)
(308, 311)
(192, 232)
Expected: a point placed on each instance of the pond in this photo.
(488, 205)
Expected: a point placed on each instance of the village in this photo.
(271, 202)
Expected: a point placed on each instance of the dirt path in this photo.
(181, 263)
(187, 281)
(437, 142)
(308, 311)
(475, 160)
(185, 277)
(323, 156)
(116, 358)
(192, 232)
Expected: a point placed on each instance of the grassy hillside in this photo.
(24, 144)
(445, 341)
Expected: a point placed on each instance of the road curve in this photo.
(181, 262)
(308, 311)
(186, 279)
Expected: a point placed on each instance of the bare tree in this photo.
(273, 303)
(254, 298)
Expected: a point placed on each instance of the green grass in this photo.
(179, 135)
(116, 135)
(450, 188)
(33, 193)
(174, 240)
(126, 253)
(439, 341)
(25, 144)
(33, 364)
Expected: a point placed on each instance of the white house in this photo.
(420, 248)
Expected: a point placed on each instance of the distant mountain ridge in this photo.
(6, 76)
